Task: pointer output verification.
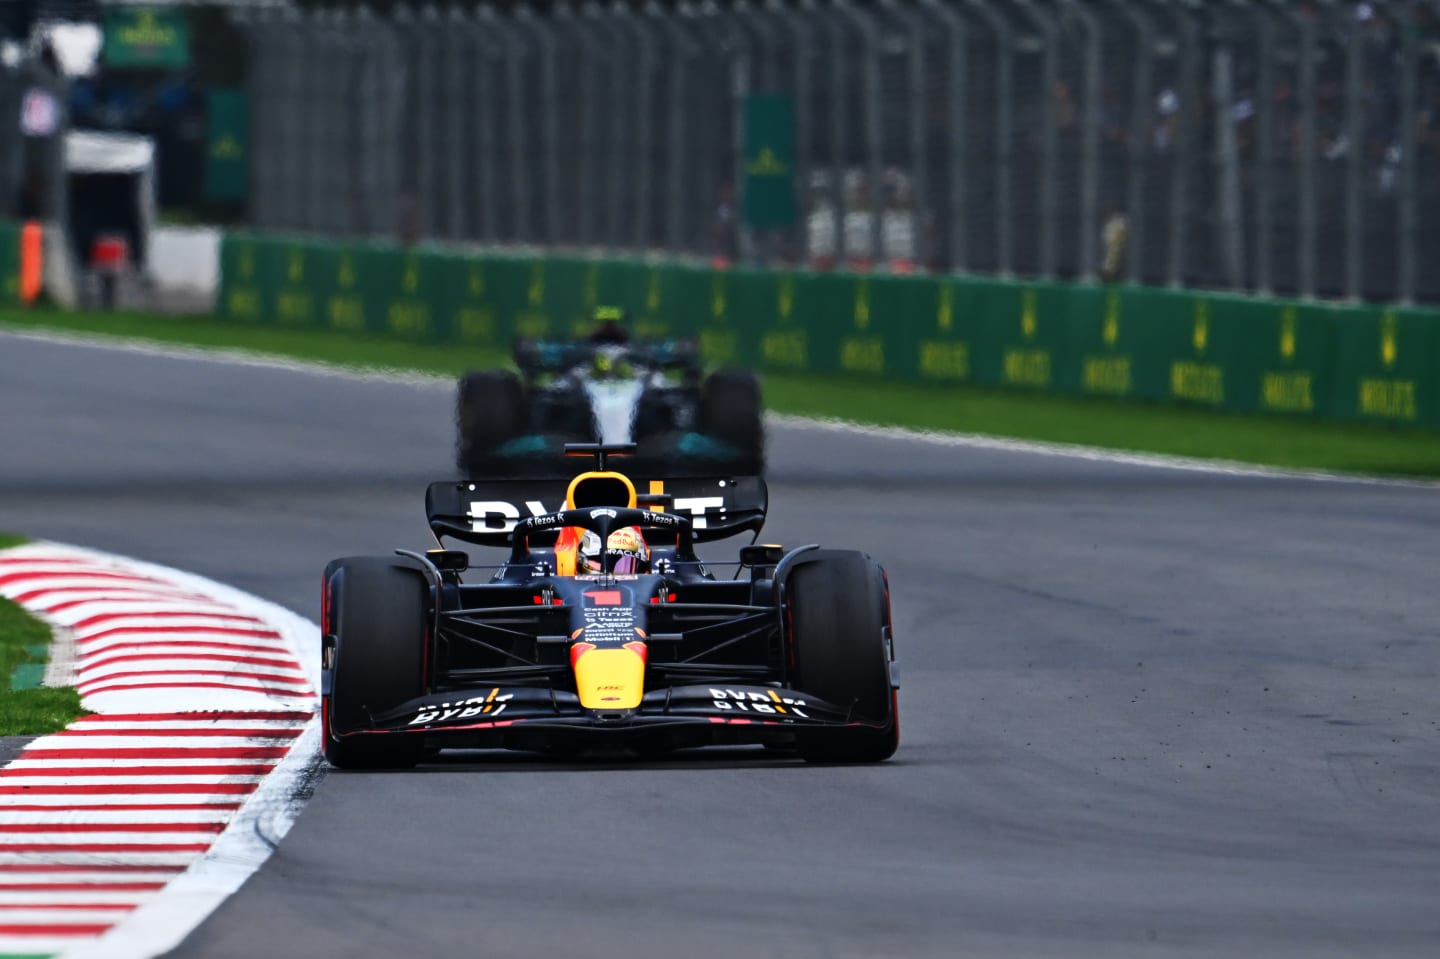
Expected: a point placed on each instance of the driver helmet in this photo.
(627, 549)
(609, 325)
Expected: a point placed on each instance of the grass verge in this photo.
(24, 645)
(1292, 442)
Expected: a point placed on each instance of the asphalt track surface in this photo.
(1145, 712)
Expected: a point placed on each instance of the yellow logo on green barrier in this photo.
(652, 292)
(1389, 339)
(1108, 373)
(862, 304)
(1110, 331)
(535, 295)
(1287, 391)
(717, 295)
(1029, 318)
(785, 297)
(1200, 336)
(592, 287)
(346, 276)
(247, 262)
(475, 280)
(945, 309)
(411, 281)
(295, 271)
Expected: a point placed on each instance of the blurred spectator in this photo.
(897, 223)
(859, 219)
(821, 230)
(1115, 240)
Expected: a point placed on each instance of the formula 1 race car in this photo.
(795, 655)
(650, 393)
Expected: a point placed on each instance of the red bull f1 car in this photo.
(789, 649)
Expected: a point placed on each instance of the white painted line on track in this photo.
(1091, 453)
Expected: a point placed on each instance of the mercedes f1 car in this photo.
(425, 651)
(650, 393)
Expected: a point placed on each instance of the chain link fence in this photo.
(1286, 146)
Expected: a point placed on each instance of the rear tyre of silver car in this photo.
(375, 608)
(839, 619)
(489, 412)
(731, 411)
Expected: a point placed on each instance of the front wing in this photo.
(672, 718)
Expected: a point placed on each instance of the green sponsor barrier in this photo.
(467, 311)
(146, 37)
(10, 264)
(1387, 363)
(246, 287)
(227, 144)
(1220, 351)
(1105, 345)
(297, 266)
(765, 320)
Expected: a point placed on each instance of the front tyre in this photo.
(375, 609)
(840, 638)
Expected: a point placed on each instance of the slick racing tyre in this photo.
(730, 411)
(375, 608)
(840, 637)
(489, 411)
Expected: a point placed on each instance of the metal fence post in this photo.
(922, 208)
(868, 31)
(1307, 149)
(1142, 94)
(520, 191)
(642, 172)
(1354, 163)
(717, 156)
(1227, 163)
(1408, 141)
(682, 51)
(549, 140)
(803, 56)
(957, 212)
(611, 229)
(1265, 152)
(1090, 124)
(457, 168)
(1184, 145)
(1004, 137)
(1050, 37)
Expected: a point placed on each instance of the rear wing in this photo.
(485, 512)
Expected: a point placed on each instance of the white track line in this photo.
(1090, 453)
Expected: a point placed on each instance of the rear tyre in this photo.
(375, 607)
(731, 410)
(489, 412)
(839, 632)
